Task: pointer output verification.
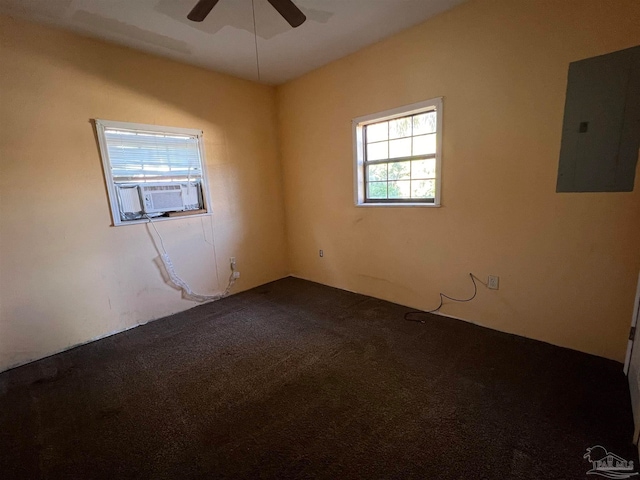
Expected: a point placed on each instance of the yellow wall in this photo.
(66, 275)
(568, 263)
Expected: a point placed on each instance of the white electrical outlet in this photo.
(232, 261)
(321, 253)
(493, 282)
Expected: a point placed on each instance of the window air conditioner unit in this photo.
(169, 197)
(136, 200)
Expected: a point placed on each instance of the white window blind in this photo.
(138, 156)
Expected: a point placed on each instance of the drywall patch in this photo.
(111, 26)
(51, 9)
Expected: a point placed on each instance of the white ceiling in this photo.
(225, 41)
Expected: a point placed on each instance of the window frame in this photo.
(358, 124)
(102, 125)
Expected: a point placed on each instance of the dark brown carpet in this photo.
(298, 380)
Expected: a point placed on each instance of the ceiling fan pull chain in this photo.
(255, 36)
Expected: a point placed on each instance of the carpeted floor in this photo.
(298, 380)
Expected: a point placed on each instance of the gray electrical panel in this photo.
(601, 129)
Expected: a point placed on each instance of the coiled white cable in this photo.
(184, 286)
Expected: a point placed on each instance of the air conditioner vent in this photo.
(154, 188)
(170, 197)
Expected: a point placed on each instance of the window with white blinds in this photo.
(138, 156)
(152, 170)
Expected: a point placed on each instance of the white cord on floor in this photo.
(178, 282)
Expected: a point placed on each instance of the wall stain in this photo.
(374, 278)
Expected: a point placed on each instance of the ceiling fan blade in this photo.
(289, 11)
(201, 10)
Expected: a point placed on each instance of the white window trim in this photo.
(358, 150)
(101, 125)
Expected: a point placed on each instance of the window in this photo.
(398, 155)
(152, 171)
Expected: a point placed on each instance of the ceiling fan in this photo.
(286, 8)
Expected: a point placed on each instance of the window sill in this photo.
(158, 219)
(418, 204)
